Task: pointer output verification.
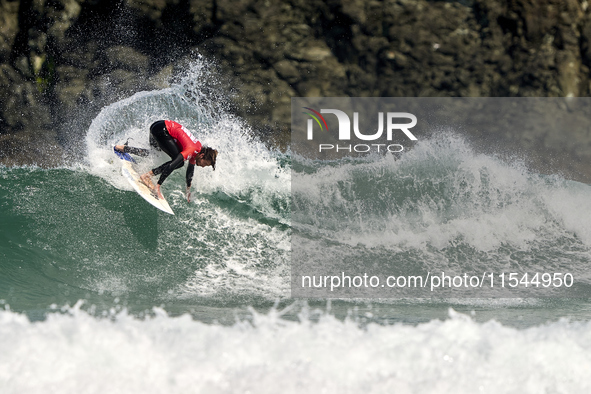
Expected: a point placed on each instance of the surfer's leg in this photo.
(137, 151)
(132, 150)
(160, 139)
(162, 168)
(158, 127)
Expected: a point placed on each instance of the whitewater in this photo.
(100, 292)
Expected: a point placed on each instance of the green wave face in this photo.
(68, 235)
(82, 233)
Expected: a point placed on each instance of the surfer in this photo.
(178, 143)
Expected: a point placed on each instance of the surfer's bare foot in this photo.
(146, 180)
(156, 193)
(157, 188)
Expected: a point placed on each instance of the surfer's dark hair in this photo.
(210, 154)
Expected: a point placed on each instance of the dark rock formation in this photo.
(62, 60)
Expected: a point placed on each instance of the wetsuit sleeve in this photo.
(167, 168)
(189, 176)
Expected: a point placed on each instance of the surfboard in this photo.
(129, 172)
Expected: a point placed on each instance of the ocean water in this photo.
(100, 292)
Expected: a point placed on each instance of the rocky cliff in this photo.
(62, 60)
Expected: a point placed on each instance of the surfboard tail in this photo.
(124, 156)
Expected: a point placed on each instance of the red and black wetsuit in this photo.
(177, 143)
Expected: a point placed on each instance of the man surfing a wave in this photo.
(180, 145)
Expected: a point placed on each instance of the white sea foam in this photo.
(234, 256)
(75, 353)
(439, 193)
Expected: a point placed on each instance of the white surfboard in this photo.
(129, 172)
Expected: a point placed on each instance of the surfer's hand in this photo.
(188, 194)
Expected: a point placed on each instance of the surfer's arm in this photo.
(189, 176)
